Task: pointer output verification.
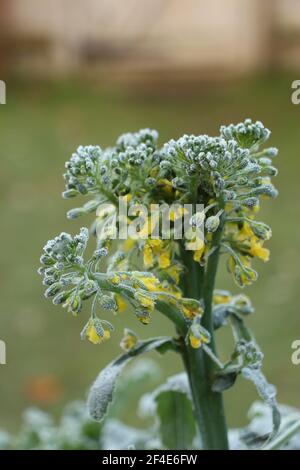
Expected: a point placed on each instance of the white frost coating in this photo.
(101, 392)
(176, 383)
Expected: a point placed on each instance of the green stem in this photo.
(200, 368)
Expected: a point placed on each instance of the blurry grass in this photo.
(40, 126)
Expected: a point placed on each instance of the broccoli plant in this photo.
(216, 185)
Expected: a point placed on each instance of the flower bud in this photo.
(70, 193)
(53, 289)
(143, 316)
(261, 230)
(107, 302)
(212, 223)
(75, 213)
(60, 298)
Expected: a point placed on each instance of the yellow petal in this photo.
(195, 342)
(148, 256)
(164, 259)
(121, 304)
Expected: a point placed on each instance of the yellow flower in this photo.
(145, 300)
(115, 279)
(121, 304)
(143, 317)
(177, 213)
(244, 276)
(191, 308)
(151, 283)
(129, 340)
(245, 232)
(174, 272)
(148, 256)
(198, 254)
(164, 259)
(152, 248)
(229, 206)
(198, 335)
(222, 298)
(171, 289)
(195, 342)
(251, 243)
(165, 186)
(197, 244)
(256, 249)
(93, 334)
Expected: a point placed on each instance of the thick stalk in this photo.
(208, 405)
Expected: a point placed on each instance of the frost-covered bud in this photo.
(261, 230)
(60, 298)
(47, 260)
(270, 171)
(250, 202)
(53, 289)
(78, 260)
(68, 278)
(212, 223)
(248, 134)
(74, 303)
(70, 193)
(75, 213)
(242, 304)
(91, 206)
(244, 276)
(178, 183)
(150, 181)
(107, 302)
(143, 316)
(100, 253)
(264, 161)
(90, 287)
(266, 190)
(165, 165)
(242, 181)
(49, 280)
(228, 195)
(270, 152)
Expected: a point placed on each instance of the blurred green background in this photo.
(41, 125)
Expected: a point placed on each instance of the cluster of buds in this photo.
(226, 304)
(70, 279)
(249, 354)
(227, 166)
(227, 174)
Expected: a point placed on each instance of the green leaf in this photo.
(171, 403)
(102, 391)
(177, 424)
